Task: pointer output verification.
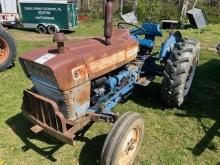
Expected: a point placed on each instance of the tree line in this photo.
(155, 10)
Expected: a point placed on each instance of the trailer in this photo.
(48, 16)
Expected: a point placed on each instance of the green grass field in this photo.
(189, 135)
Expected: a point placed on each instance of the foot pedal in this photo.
(36, 129)
(145, 81)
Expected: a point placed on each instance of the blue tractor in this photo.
(80, 83)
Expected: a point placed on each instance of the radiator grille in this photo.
(43, 110)
(41, 72)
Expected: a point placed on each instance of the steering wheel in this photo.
(121, 25)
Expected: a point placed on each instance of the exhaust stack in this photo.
(108, 21)
(59, 38)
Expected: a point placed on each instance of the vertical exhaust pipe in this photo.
(108, 21)
(59, 38)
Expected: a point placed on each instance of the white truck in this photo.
(8, 12)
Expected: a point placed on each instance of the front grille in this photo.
(40, 72)
(43, 110)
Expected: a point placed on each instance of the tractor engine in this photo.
(110, 89)
(82, 76)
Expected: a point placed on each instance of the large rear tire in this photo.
(7, 50)
(179, 72)
(123, 141)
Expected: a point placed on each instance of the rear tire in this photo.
(179, 72)
(123, 141)
(7, 50)
(41, 29)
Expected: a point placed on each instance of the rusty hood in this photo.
(83, 60)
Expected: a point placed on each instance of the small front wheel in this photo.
(123, 141)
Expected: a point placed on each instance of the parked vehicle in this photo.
(9, 12)
(7, 50)
(48, 16)
(78, 84)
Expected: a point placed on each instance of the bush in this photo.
(211, 8)
(156, 10)
(166, 9)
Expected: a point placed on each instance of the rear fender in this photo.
(168, 45)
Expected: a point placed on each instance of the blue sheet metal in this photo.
(112, 102)
(144, 42)
(167, 46)
(116, 93)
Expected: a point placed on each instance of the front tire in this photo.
(179, 72)
(123, 141)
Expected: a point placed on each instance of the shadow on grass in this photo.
(148, 96)
(90, 153)
(21, 126)
(206, 141)
(203, 102)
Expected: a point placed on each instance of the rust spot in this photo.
(90, 56)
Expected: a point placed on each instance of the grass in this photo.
(189, 135)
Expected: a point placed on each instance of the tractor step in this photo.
(36, 129)
(144, 81)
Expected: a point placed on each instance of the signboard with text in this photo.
(48, 13)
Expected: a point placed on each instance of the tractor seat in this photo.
(146, 43)
(151, 30)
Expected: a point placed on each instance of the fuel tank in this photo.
(81, 60)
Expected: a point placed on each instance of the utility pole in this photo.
(184, 9)
(194, 4)
(121, 6)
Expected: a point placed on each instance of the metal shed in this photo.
(197, 18)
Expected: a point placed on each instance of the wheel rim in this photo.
(129, 147)
(42, 30)
(190, 77)
(52, 29)
(4, 50)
